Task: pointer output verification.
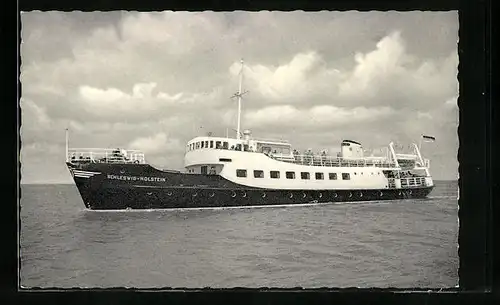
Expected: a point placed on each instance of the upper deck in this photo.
(351, 154)
(105, 155)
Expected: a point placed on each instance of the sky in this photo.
(153, 81)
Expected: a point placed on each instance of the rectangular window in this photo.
(206, 144)
(242, 173)
(211, 144)
(217, 144)
(197, 145)
(305, 175)
(275, 174)
(346, 176)
(332, 176)
(202, 144)
(319, 176)
(225, 145)
(290, 175)
(258, 174)
(204, 170)
(224, 160)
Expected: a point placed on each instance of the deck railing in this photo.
(334, 161)
(412, 182)
(270, 140)
(408, 182)
(105, 155)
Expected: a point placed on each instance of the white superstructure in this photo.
(274, 164)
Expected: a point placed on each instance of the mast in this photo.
(238, 135)
(67, 144)
(239, 94)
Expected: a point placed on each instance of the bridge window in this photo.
(346, 176)
(332, 176)
(258, 174)
(290, 175)
(305, 175)
(275, 174)
(211, 144)
(242, 173)
(225, 145)
(319, 176)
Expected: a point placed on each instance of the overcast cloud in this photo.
(155, 80)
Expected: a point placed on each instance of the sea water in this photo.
(404, 243)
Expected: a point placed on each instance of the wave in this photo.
(442, 197)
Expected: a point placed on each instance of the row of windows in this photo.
(242, 173)
(208, 144)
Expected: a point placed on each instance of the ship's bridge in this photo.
(208, 154)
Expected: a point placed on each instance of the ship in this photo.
(245, 171)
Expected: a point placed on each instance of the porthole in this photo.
(335, 195)
(320, 195)
(360, 194)
(291, 195)
(380, 194)
(233, 194)
(350, 194)
(244, 194)
(195, 194)
(212, 195)
(303, 195)
(410, 192)
(263, 195)
(399, 193)
(169, 193)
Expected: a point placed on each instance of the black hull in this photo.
(170, 190)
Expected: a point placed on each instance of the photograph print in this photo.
(239, 149)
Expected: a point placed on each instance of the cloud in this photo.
(424, 115)
(317, 116)
(159, 143)
(385, 61)
(142, 102)
(289, 80)
(120, 78)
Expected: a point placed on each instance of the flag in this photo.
(428, 138)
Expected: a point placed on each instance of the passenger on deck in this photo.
(212, 171)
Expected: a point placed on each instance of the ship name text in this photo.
(136, 178)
